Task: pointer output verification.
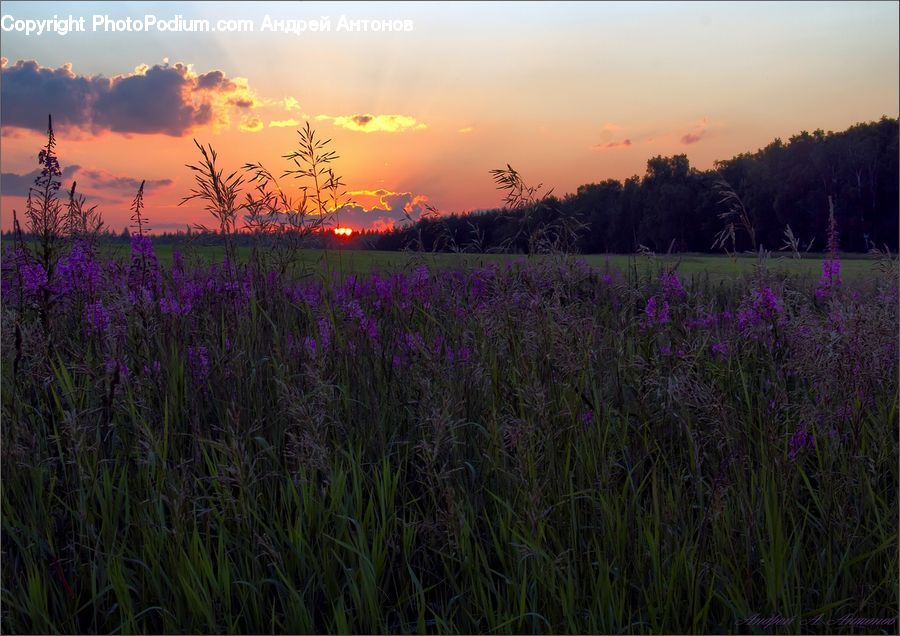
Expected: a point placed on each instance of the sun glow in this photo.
(343, 231)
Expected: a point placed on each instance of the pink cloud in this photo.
(697, 132)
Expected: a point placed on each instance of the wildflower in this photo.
(154, 368)
(831, 266)
(704, 322)
(143, 272)
(671, 286)
(369, 327)
(460, 355)
(97, 318)
(800, 440)
(173, 307)
(719, 349)
(766, 304)
(198, 362)
(764, 308)
(115, 366)
(78, 271)
(142, 246)
(34, 277)
(657, 311)
(586, 417)
(830, 279)
(324, 333)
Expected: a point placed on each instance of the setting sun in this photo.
(343, 231)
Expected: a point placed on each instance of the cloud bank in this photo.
(161, 99)
(12, 184)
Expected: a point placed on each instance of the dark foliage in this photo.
(783, 184)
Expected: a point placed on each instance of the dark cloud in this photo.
(692, 138)
(150, 103)
(12, 184)
(16, 185)
(215, 80)
(362, 120)
(31, 91)
(107, 181)
(166, 99)
(614, 144)
(242, 102)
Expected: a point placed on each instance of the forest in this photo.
(674, 206)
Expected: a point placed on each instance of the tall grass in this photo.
(511, 449)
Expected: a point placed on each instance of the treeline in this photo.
(748, 201)
(782, 185)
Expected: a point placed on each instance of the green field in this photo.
(854, 267)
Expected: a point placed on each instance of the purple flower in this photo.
(657, 311)
(800, 440)
(78, 271)
(198, 363)
(116, 366)
(97, 318)
(142, 246)
(830, 280)
(766, 304)
(171, 306)
(154, 368)
(586, 417)
(413, 341)
(704, 322)
(671, 286)
(460, 355)
(143, 272)
(764, 308)
(324, 333)
(369, 327)
(34, 277)
(719, 349)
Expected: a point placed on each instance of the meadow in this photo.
(717, 267)
(447, 444)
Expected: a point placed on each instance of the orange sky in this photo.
(566, 93)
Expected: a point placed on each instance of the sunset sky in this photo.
(566, 93)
